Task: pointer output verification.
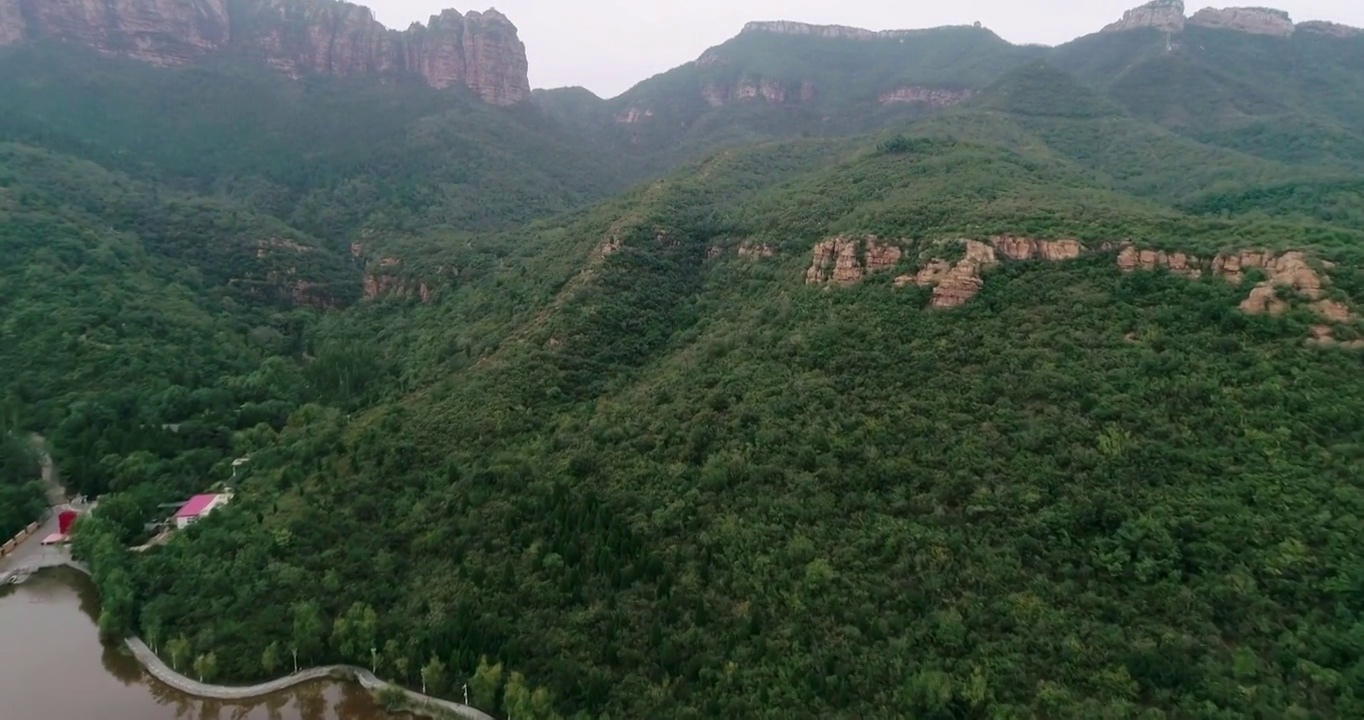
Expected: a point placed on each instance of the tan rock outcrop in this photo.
(379, 285)
(295, 37)
(963, 281)
(634, 115)
(882, 257)
(1254, 20)
(159, 32)
(752, 251)
(836, 32)
(1167, 15)
(954, 284)
(1131, 259)
(933, 97)
(839, 260)
(771, 91)
(1289, 270)
(1019, 248)
(847, 267)
(1329, 29)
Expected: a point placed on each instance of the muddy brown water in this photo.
(56, 668)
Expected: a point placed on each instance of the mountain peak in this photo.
(295, 37)
(1168, 15)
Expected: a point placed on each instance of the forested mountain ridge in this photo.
(1037, 404)
(1291, 90)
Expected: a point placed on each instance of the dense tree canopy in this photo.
(626, 462)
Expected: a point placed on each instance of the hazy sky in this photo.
(609, 45)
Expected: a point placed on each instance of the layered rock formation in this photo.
(1257, 21)
(846, 259)
(955, 284)
(159, 32)
(1167, 15)
(1318, 27)
(296, 37)
(1132, 259)
(385, 278)
(934, 97)
(756, 251)
(838, 32)
(773, 92)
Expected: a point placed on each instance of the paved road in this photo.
(32, 552)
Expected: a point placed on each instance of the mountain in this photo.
(836, 374)
(1246, 79)
(783, 79)
(293, 37)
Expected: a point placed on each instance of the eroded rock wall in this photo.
(295, 37)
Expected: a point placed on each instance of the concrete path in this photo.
(159, 670)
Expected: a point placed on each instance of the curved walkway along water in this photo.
(159, 670)
(163, 672)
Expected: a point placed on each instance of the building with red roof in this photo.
(198, 507)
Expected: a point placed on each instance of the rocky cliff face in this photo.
(773, 92)
(1330, 29)
(1257, 21)
(296, 37)
(1167, 15)
(838, 32)
(933, 97)
(160, 32)
(846, 260)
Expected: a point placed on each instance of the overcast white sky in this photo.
(609, 45)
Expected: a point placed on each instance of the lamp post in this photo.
(374, 660)
(295, 661)
(466, 693)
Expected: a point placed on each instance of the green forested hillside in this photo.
(21, 490)
(624, 461)
(1289, 100)
(681, 483)
(326, 155)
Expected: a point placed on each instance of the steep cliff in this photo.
(1257, 21)
(1330, 29)
(843, 32)
(1167, 15)
(159, 32)
(295, 37)
(933, 97)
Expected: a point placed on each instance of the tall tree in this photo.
(433, 676)
(309, 629)
(354, 634)
(483, 686)
(270, 659)
(206, 667)
(180, 650)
